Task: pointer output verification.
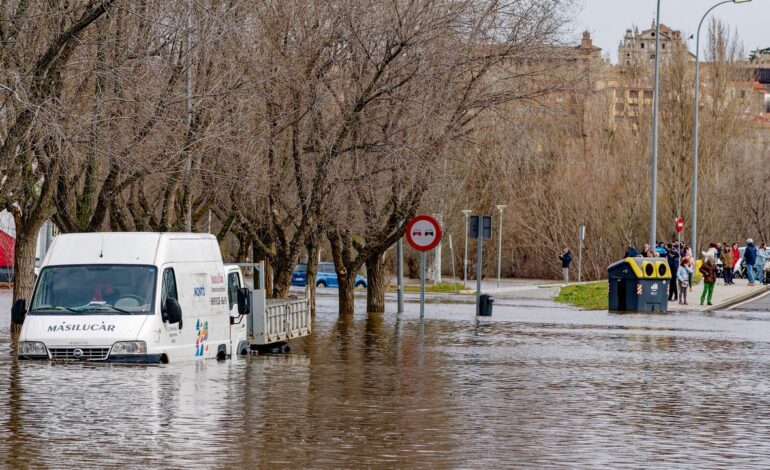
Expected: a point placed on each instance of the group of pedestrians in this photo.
(682, 264)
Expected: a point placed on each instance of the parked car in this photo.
(325, 277)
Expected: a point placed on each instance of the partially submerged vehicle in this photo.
(148, 298)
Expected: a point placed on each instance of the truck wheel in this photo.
(361, 285)
(320, 284)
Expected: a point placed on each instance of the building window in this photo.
(633, 94)
(663, 46)
(619, 108)
(642, 45)
(648, 95)
(618, 93)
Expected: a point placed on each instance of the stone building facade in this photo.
(639, 48)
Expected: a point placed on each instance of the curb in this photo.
(737, 299)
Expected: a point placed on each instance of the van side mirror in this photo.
(174, 311)
(19, 311)
(243, 301)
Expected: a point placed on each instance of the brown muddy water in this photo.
(537, 385)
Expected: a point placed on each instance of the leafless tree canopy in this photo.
(290, 127)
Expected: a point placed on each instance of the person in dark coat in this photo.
(566, 259)
(750, 257)
(672, 256)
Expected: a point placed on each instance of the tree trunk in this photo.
(24, 267)
(312, 270)
(377, 280)
(282, 271)
(346, 297)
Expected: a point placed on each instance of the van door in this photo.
(169, 290)
(237, 321)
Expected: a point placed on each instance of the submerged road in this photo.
(536, 385)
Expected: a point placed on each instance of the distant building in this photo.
(760, 56)
(8, 244)
(639, 48)
(587, 49)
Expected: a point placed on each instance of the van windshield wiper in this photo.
(98, 305)
(58, 307)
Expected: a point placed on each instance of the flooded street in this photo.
(536, 385)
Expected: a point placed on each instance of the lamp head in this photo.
(741, 1)
(500, 207)
(467, 212)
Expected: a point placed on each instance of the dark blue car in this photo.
(326, 276)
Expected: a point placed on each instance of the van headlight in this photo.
(129, 347)
(32, 348)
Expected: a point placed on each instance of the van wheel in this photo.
(221, 352)
(361, 285)
(320, 284)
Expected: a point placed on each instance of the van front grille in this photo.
(88, 354)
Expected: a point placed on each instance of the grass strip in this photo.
(591, 296)
(443, 287)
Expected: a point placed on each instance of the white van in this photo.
(137, 297)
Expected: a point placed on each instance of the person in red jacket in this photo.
(736, 256)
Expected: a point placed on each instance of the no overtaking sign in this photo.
(423, 233)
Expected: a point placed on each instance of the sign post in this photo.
(400, 274)
(581, 236)
(423, 233)
(481, 229)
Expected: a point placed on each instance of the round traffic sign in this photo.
(423, 233)
(679, 224)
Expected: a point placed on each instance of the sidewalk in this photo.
(724, 296)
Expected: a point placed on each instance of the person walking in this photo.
(759, 266)
(672, 257)
(750, 257)
(727, 266)
(687, 253)
(646, 252)
(683, 275)
(566, 259)
(736, 258)
(709, 272)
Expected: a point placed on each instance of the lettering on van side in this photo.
(81, 327)
(219, 301)
(199, 291)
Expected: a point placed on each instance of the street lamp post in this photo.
(655, 100)
(500, 207)
(694, 228)
(467, 213)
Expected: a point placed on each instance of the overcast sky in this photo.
(607, 20)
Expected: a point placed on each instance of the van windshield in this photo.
(95, 290)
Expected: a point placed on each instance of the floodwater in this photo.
(537, 385)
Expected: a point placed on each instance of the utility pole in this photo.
(188, 109)
(655, 101)
(467, 213)
(500, 207)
